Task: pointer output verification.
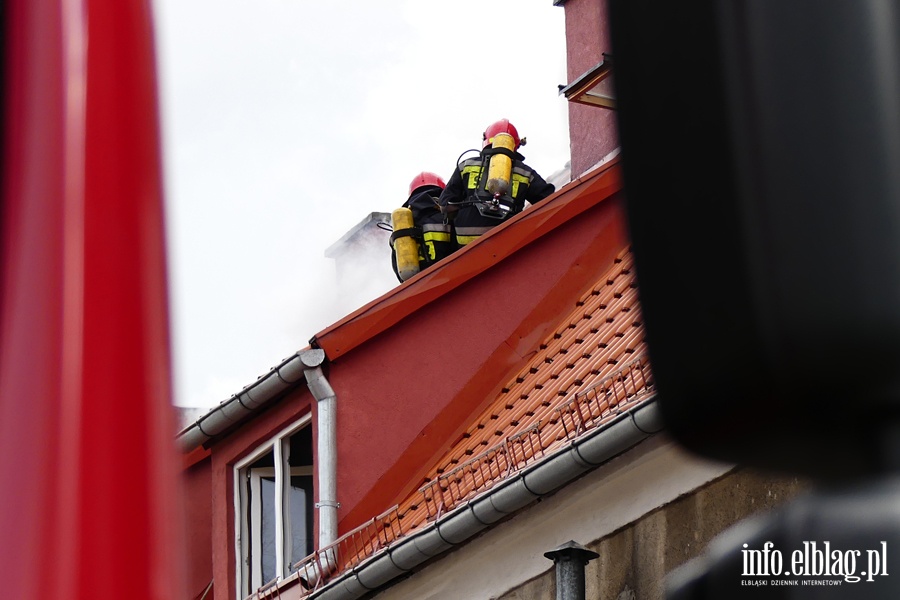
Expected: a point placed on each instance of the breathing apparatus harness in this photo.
(406, 239)
(408, 244)
(413, 232)
(491, 195)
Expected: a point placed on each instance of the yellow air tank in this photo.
(500, 167)
(406, 248)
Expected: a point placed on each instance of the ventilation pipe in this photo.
(326, 434)
(570, 559)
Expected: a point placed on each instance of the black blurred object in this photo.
(761, 152)
(839, 543)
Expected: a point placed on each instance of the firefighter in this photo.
(488, 189)
(429, 228)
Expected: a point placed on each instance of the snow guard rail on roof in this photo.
(589, 410)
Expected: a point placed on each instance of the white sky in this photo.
(286, 122)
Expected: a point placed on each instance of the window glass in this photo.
(268, 524)
(301, 516)
(301, 448)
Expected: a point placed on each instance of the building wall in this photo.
(592, 130)
(403, 394)
(634, 561)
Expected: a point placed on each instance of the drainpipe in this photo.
(570, 559)
(326, 434)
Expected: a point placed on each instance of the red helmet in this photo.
(501, 126)
(425, 178)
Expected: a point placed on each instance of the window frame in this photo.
(247, 530)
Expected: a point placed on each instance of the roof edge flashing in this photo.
(601, 182)
(251, 399)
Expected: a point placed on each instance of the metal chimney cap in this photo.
(571, 550)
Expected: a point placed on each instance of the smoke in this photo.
(359, 272)
(364, 273)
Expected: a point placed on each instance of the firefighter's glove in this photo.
(450, 210)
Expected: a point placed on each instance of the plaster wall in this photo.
(603, 502)
(634, 561)
(592, 130)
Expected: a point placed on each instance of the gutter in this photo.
(464, 522)
(252, 398)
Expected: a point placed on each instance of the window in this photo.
(274, 508)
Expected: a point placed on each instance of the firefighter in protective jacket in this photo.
(429, 229)
(486, 190)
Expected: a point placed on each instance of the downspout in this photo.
(326, 448)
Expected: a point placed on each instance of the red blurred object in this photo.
(87, 463)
